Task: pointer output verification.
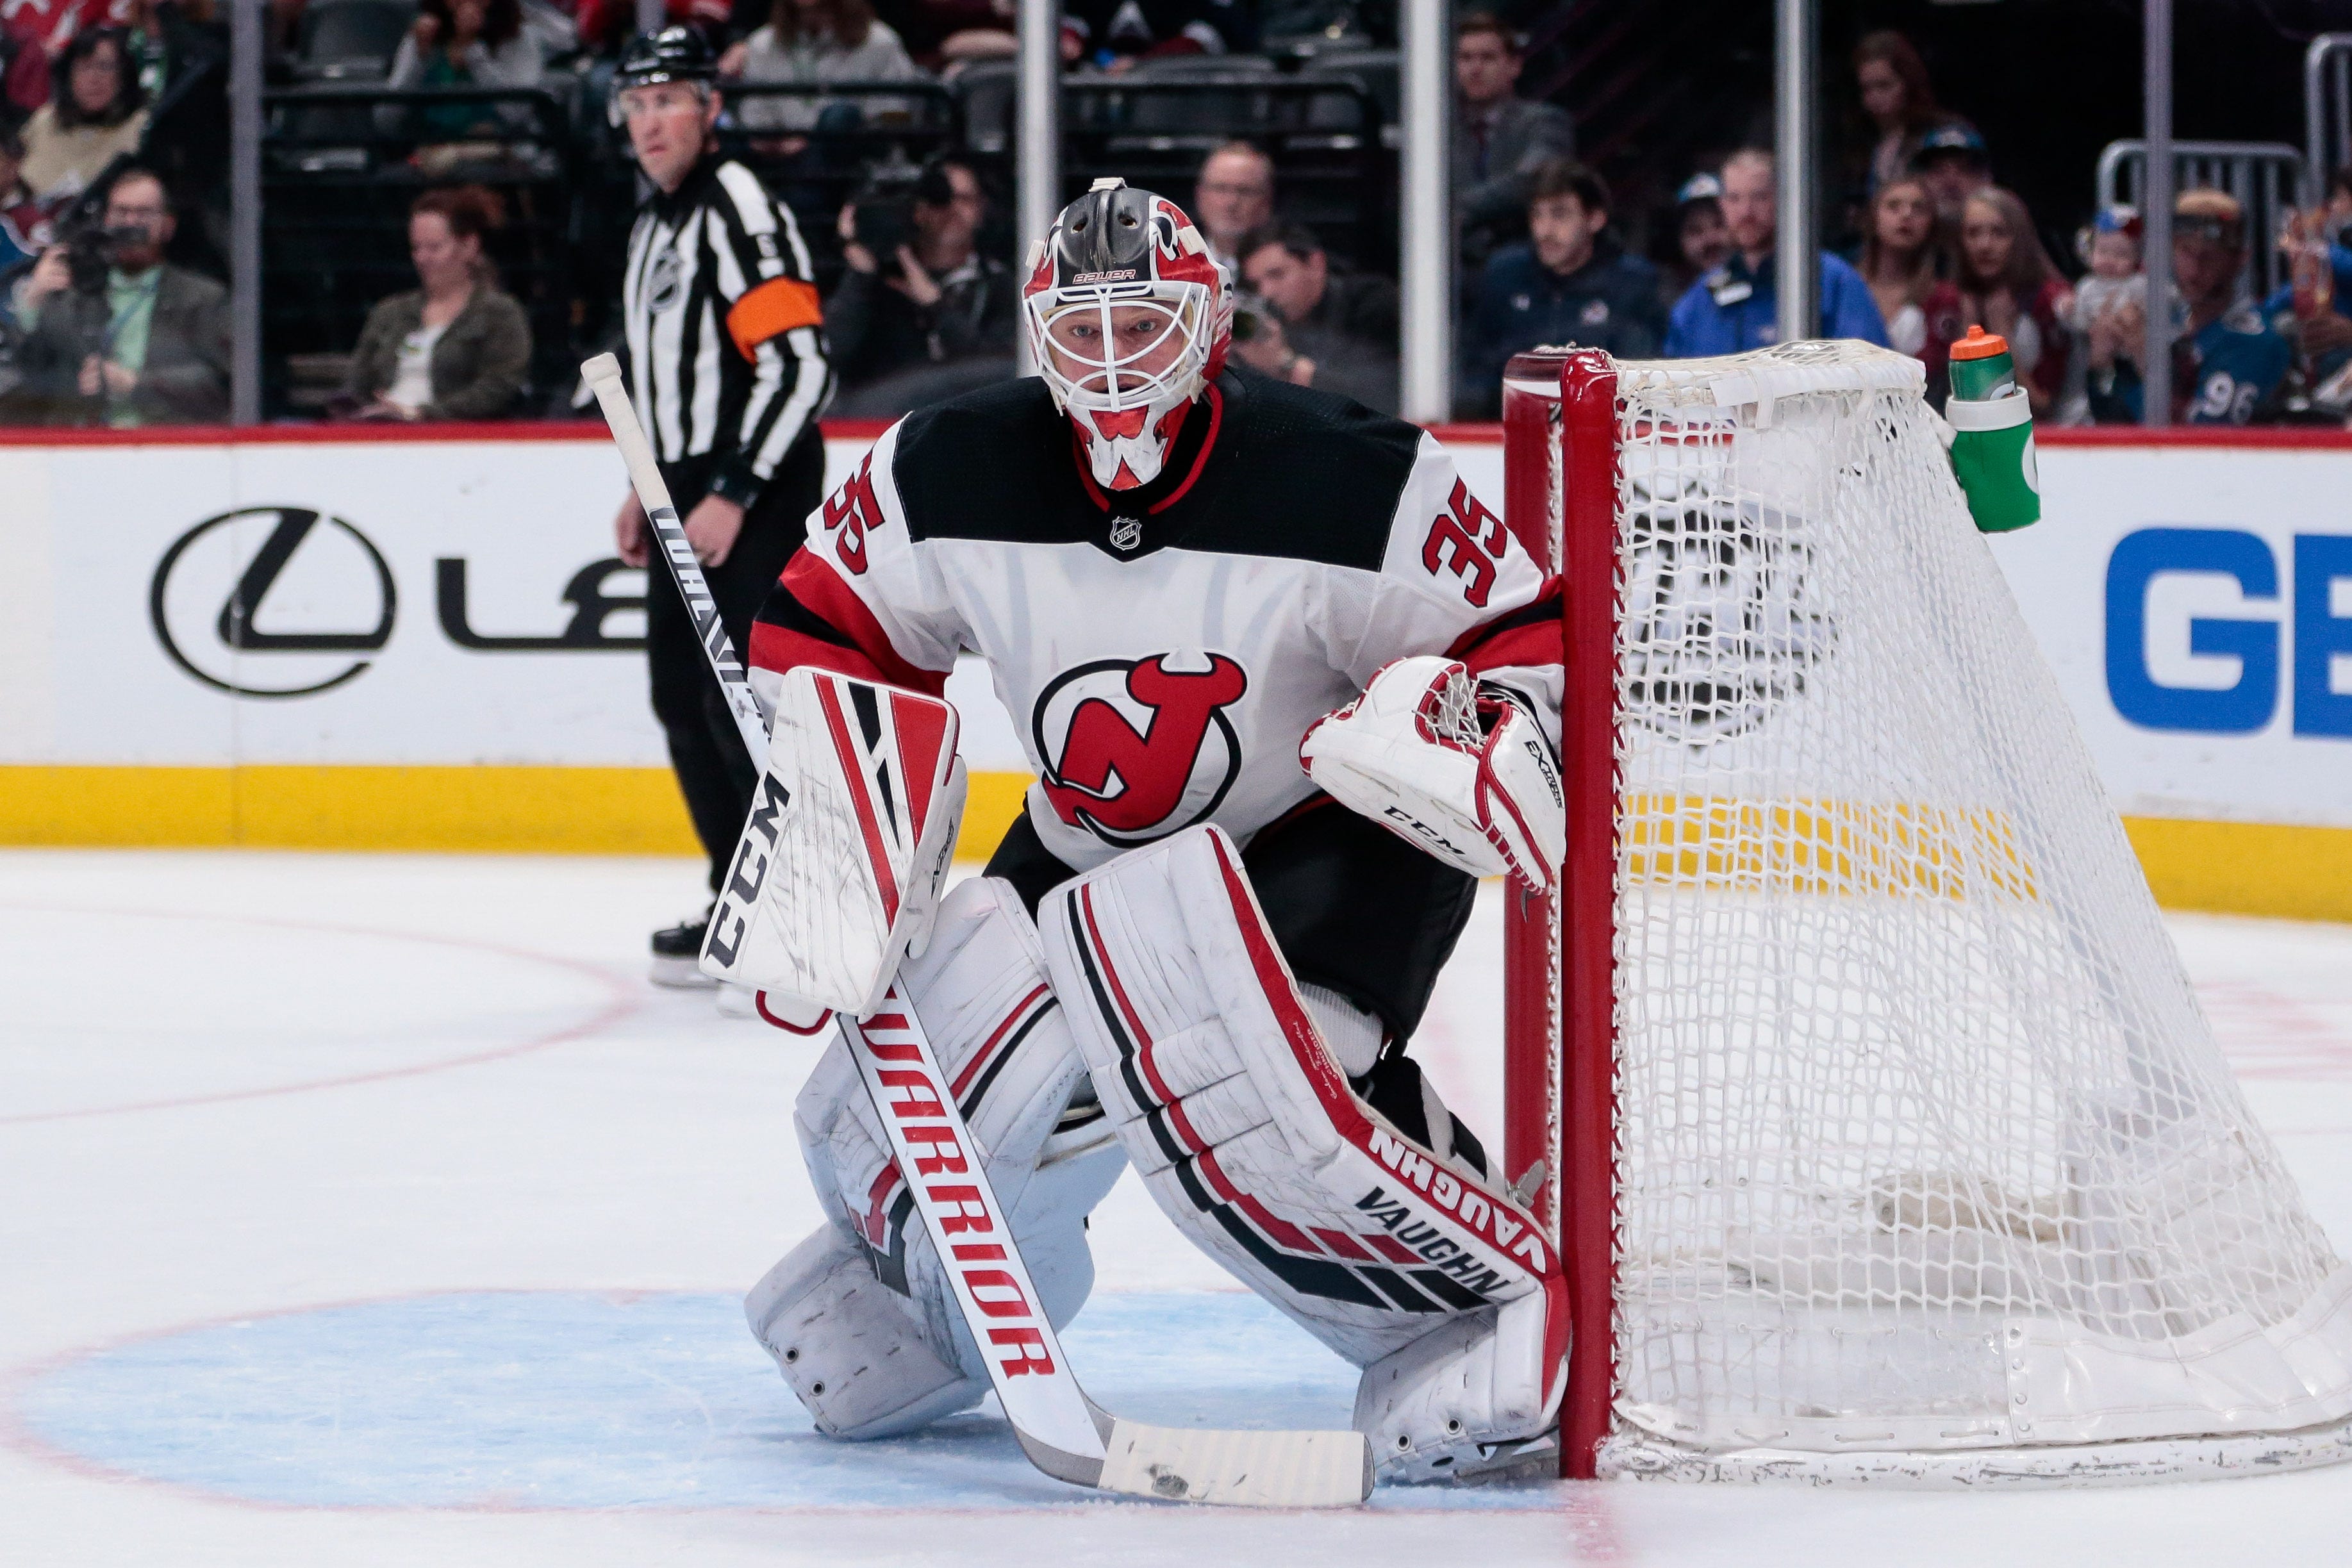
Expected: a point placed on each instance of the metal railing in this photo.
(366, 129)
(2267, 178)
(2326, 111)
(896, 112)
(815, 144)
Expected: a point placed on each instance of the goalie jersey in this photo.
(1162, 650)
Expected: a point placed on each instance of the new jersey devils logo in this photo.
(1135, 749)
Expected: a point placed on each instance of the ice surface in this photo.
(372, 1210)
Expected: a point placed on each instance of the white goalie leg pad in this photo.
(854, 1352)
(1241, 1125)
(981, 990)
(846, 847)
(1460, 771)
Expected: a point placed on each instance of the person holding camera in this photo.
(918, 296)
(1314, 325)
(116, 336)
(727, 369)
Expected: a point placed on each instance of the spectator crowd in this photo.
(1934, 247)
(113, 215)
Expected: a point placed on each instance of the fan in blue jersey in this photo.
(2227, 363)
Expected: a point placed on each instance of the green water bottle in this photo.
(1993, 443)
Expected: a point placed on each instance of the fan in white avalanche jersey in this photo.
(1188, 949)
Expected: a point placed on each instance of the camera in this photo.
(883, 206)
(91, 248)
(1252, 315)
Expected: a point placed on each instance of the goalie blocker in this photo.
(1221, 1089)
(839, 870)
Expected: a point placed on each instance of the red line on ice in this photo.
(621, 999)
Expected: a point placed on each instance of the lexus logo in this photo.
(272, 602)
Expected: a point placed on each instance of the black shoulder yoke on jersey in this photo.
(1289, 473)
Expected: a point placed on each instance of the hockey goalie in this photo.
(1289, 689)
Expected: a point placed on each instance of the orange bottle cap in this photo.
(1980, 344)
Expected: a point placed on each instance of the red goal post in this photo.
(1882, 1135)
(1559, 452)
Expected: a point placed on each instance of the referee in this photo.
(727, 365)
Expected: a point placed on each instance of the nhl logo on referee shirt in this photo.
(664, 280)
(1126, 533)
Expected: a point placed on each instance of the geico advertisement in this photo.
(2197, 604)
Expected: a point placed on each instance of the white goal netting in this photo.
(1924, 1146)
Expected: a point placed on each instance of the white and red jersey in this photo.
(1163, 650)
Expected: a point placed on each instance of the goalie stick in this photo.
(1063, 1432)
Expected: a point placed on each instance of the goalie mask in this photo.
(1128, 318)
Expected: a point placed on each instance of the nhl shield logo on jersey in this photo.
(665, 281)
(1135, 749)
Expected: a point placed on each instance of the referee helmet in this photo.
(673, 54)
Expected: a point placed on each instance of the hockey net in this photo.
(1885, 1135)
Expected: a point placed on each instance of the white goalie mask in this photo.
(1128, 318)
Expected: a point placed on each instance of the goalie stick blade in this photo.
(1079, 1470)
(1240, 1469)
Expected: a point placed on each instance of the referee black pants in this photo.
(714, 773)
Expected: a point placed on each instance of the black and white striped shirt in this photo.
(726, 338)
